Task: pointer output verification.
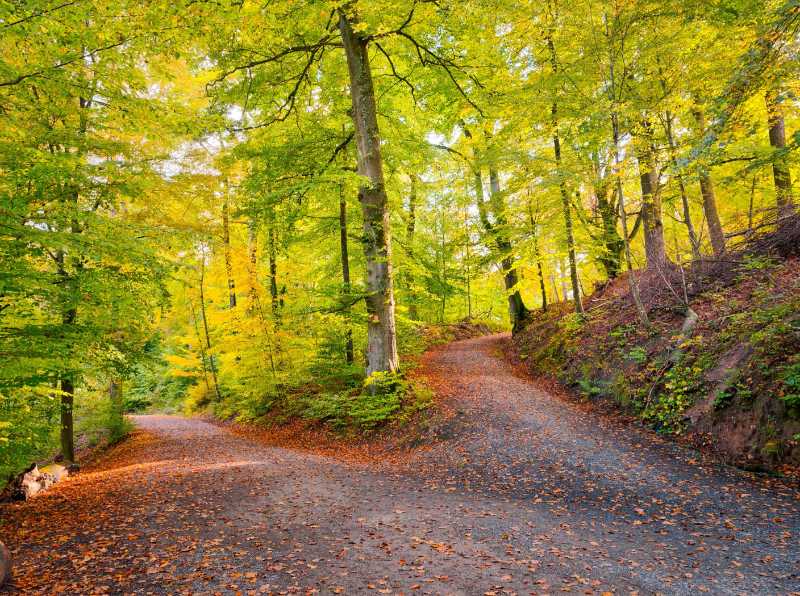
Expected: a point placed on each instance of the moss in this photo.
(608, 355)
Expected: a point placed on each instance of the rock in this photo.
(5, 564)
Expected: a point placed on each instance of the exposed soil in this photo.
(522, 492)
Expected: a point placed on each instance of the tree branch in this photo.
(442, 62)
(397, 75)
(83, 56)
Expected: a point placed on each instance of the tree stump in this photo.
(5, 564)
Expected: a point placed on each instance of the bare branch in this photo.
(340, 147)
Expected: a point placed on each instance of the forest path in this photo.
(529, 494)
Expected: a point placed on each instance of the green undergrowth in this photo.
(380, 399)
(29, 429)
(331, 393)
(742, 359)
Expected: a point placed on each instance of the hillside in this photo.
(728, 380)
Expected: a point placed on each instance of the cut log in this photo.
(34, 480)
(29, 485)
(57, 471)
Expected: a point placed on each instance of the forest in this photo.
(400, 296)
(256, 209)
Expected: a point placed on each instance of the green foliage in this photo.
(637, 354)
(723, 398)
(572, 324)
(622, 332)
(681, 384)
(586, 383)
(589, 388)
(753, 262)
(368, 410)
(772, 326)
(98, 421)
(620, 390)
(29, 429)
(791, 383)
(27, 419)
(384, 397)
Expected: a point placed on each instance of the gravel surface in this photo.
(525, 493)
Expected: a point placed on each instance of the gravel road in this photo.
(525, 493)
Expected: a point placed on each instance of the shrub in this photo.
(637, 355)
(27, 419)
(791, 383)
(680, 384)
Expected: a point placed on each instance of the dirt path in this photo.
(529, 494)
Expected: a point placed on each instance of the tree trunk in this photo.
(467, 258)
(562, 183)
(226, 241)
(443, 263)
(252, 271)
(381, 333)
(634, 288)
(200, 345)
(611, 259)
(715, 232)
(780, 165)
(117, 407)
(499, 233)
(67, 423)
(517, 310)
(70, 313)
(673, 158)
(68, 318)
(211, 364)
(537, 255)
(555, 285)
(654, 245)
(5, 564)
(411, 224)
(273, 273)
(348, 334)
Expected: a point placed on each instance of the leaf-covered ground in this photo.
(522, 493)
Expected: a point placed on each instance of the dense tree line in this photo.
(231, 200)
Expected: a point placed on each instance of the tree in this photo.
(381, 328)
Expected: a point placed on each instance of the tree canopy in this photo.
(228, 203)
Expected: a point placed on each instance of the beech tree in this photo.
(185, 185)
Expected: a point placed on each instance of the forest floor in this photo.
(520, 492)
